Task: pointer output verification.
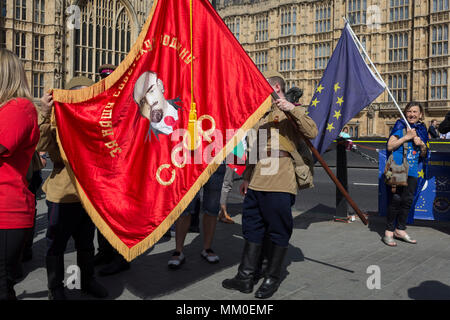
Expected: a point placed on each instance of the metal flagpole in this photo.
(376, 70)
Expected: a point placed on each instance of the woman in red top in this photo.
(19, 135)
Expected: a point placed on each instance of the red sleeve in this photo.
(15, 124)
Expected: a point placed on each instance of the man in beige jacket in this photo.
(270, 187)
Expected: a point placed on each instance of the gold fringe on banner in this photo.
(131, 253)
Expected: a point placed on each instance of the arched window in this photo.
(104, 36)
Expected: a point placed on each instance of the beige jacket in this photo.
(58, 186)
(275, 174)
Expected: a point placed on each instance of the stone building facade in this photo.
(407, 40)
(59, 39)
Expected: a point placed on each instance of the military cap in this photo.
(106, 69)
(272, 73)
(79, 82)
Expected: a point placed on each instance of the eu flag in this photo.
(347, 86)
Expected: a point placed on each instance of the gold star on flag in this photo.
(340, 101)
(320, 88)
(330, 127)
(337, 114)
(306, 112)
(421, 174)
(336, 87)
(315, 102)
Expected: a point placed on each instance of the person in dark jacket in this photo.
(432, 130)
(444, 126)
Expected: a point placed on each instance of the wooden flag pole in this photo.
(325, 166)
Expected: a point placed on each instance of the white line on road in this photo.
(365, 184)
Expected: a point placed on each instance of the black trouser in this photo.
(67, 220)
(400, 205)
(104, 247)
(34, 186)
(12, 242)
(268, 214)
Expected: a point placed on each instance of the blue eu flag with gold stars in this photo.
(347, 87)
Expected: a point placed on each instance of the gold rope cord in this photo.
(77, 96)
(192, 125)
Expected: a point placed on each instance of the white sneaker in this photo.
(176, 260)
(209, 256)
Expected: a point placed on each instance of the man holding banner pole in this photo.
(270, 187)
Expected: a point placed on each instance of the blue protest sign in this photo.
(433, 200)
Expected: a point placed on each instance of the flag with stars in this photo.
(347, 86)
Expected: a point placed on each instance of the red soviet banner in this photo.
(125, 138)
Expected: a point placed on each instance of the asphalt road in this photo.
(365, 154)
(362, 187)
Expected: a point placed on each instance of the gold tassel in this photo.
(192, 128)
(192, 125)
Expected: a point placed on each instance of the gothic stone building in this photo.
(59, 39)
(407, 40)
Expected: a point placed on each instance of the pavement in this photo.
(326, 260)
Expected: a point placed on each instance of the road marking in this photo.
(365, 184)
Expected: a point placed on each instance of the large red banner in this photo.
(125, 139)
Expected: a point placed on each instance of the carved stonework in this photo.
(57, 9)
(370, 111)
(58, 44)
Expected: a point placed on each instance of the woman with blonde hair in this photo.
(19, 135)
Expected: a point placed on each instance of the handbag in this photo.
(303, 162)
(396, 174)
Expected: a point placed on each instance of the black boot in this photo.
(105, 251)
(55, 277)
(85, 260)
(263, 260)
(244, 280)
(117, 265)
(272, 277)
(102, 258)
(11, 293)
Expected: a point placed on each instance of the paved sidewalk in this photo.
(325, 260)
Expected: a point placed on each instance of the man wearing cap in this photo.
(66, 216)
(444, 126)
(106, 254)
(105, 70)
(267, 221)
